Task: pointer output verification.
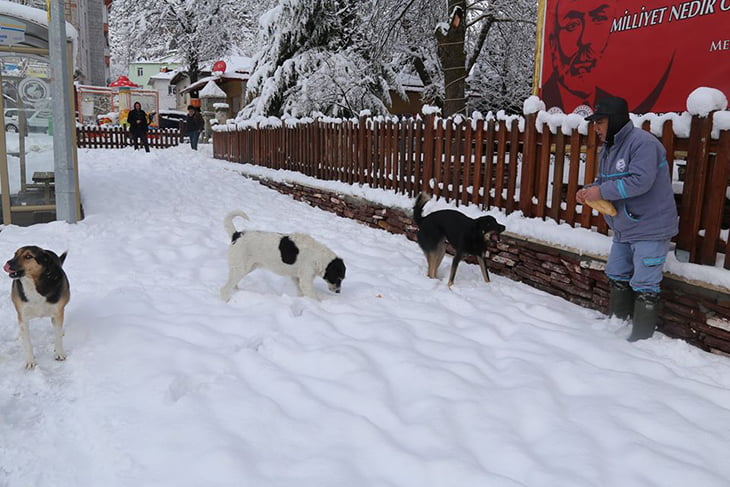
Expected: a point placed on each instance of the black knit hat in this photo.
(616, 110)
(611, 105)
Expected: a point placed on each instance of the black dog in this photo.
(467, 235)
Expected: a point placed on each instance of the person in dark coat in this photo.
(194, 124)
(137, 120)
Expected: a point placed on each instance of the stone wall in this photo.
(693, 312)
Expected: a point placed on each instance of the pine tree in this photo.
(314, 57)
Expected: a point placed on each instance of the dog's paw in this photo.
(30, 364)
(59, 356)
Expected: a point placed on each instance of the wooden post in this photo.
(529, 155)
(428, 150)
(694, 185)
(418, 156)
(714, 200)
(557, 182)
(501, 156)
(478, 151)
(590, 172)
(514, 150)
(488, 165)
(361, 148)
(467, 164)
(543, 170)
(573, 173)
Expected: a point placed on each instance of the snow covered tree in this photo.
(501, 79)
(447, 43)
(198, 30)
(341, 56)
(316, 58)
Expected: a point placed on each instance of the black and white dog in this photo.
(468, 236)
(297, 255)
(40, 289)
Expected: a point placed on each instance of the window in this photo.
(171, 90)
(140, 71)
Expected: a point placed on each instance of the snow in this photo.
(212, 90)
(704, 100)
(532, 104)
(33, 15)
(397, 381)
(430, 110)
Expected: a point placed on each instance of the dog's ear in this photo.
(43, 257)
(335, 270)
(62, 259)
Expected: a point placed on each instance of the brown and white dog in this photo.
(40, 289)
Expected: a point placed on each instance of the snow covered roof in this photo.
(227, 76)
(410, 82)
(163, 75)
(237, 64)
(37, 31)
(171, 58)
(212, 90)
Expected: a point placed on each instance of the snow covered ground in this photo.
(397, 381)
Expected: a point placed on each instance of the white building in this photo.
(161, 83)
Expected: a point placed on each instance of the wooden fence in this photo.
(95, 137)
(493, 164)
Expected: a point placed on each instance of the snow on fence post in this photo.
(361, 147)
(590, 174)
(514, 149)
(701, 103)
(529, 160)
(476, 184)
(530, 108)
(430, 113)
(715, 197)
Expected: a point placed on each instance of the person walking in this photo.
(194, 125)
(138, 124)
(634, 176)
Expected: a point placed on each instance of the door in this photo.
(26, 172)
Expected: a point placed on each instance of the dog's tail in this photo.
(228, 221)
(421, 201)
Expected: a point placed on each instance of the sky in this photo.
(395, 382)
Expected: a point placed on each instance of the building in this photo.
(167, 93)
(91, 20)
(233, 80)
(141, 71)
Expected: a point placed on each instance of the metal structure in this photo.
(38, 164)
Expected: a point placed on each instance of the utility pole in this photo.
(63, 122)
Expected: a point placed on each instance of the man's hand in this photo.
(591, 193)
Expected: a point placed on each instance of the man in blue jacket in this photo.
(634, 176)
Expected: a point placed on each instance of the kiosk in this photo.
(27, 179)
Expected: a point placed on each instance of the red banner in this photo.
(652, 53)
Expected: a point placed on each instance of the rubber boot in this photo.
(646, 312)
(620, 300)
